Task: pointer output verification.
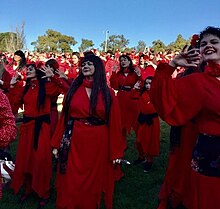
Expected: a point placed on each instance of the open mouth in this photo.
(209, 51)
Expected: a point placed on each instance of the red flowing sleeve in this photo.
(57, 86)
(8, 129)
(114, 81)
(117, 144)
(57, 136)
(177, 101)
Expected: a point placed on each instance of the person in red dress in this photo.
(33, 165)
(146, 67)
(195, 96)
(53, 64)
(123, 81)
(18, 69)
(8, 129)
(5, 76)
(73, 71)
(182, 140)
(89, 139)
(148, 129)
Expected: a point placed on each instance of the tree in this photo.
(116, 42)
(54, 41)
(13, 41)
(158, 46)
(85, 45)
(141, 46)
(178, 44)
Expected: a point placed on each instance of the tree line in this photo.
(54, 41)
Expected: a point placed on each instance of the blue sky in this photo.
(135, 19)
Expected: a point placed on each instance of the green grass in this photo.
(136, 190)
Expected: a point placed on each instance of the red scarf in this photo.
(213, 69)
(87, 83)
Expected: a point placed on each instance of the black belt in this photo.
(146, 118)
(38, 123)
(124, 88)
(66, 138)
(206, 155)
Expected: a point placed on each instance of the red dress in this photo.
(36, 163)
(128, 106)
(147, 136)
(177, 102)
(89, 169)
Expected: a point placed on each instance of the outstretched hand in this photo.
(14, 79)
(48, 71)
(186, 58)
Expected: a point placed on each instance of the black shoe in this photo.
(42, 203)
(147, 166)
(23, 198)
(138, 161)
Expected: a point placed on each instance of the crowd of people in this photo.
(106, 96)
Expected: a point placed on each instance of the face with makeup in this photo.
(210, 48)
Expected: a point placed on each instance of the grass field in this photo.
(136, 190)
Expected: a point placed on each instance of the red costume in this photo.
(33, 164)
(128, 106)
(89, 169)
(177, 102)
(6, 78)
(148, 135)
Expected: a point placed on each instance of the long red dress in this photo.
(31, 162)
(148, 136)
(177, 102)
(89, 170)
(128, 106)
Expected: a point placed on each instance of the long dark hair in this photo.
(130, 67)
(22, 62)
(99, 84)
(143, 89)
(42, 90)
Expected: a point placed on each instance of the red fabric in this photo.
(29, 162)
(178, 172)
(147, 137)
(6, 77)
(110, 63)
(148, 71)
(128, 106)
(73, 71)
(89, 168)
(178, 101)
(8, 128)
